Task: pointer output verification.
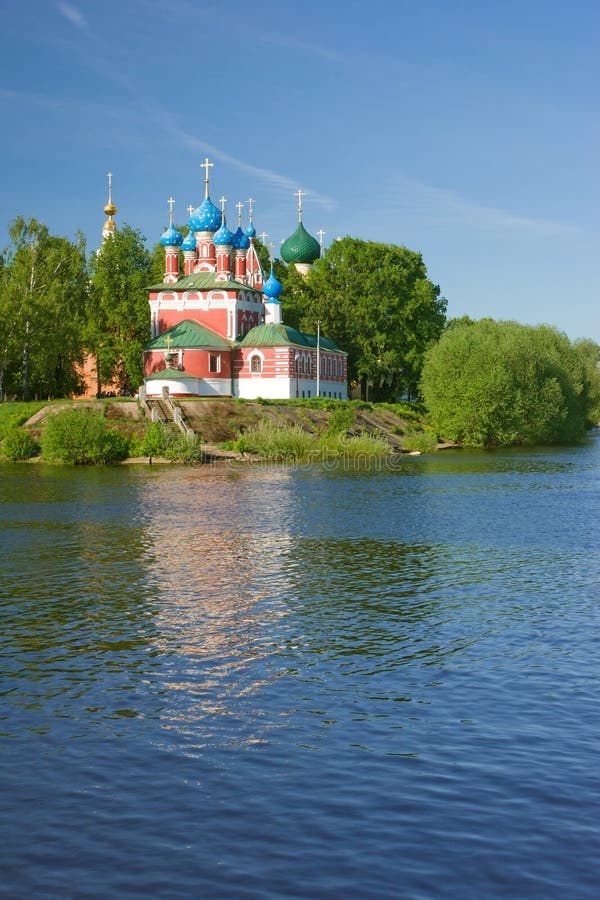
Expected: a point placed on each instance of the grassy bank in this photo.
(98, 432)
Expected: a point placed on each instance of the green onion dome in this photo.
(301, 247)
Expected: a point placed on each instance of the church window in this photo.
(214, 362)
(256, 364)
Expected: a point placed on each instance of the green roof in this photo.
(170, 373)
(187, 334)
(301, 247)
(284, 336)
(201, 281)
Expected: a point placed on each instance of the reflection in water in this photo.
(317, 682)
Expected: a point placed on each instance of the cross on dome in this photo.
(109, 176)
(250, 201)
(223, 201)
(206, 166)
(240, 207)
(320, 232)
(171, 203)
(263, 236)
(300, 194)
(190, 209)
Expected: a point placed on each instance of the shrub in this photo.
(490, 384)
(419, 439)
(279, 441)
(18, 445)
(361, 445)
(156, 440)
(341, 420)
(185, 449)
(80, 437)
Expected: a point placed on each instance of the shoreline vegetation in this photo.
(115, 431)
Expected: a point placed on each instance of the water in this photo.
(306, 683)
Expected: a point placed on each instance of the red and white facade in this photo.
(216, 329)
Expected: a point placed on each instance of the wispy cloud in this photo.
(73, 15)
(285, 41)
(443, 206)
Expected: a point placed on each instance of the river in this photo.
(327, 681)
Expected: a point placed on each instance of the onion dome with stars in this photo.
(223, 237)
(272, 287)
(300, 247)
(189, 242)
(251, 231)
(206, 217)
(240, 240)
(171, 237)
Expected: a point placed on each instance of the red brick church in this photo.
(216, 326)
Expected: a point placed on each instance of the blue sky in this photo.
(466, 129)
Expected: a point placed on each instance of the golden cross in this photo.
(170, 201)
(250, 201)
(263, 236)
(320, 232)
(190, 209)
(271, 245)
(206, 165)
(300, 194)
(240, 207)
(168, 341)
(222, 201)
(109, 176)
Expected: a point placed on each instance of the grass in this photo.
(15, 413)
(292, 443)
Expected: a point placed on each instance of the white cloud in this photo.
(442, 206)
(73, 15)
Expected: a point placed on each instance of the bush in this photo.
(18, 445)
(156, 440)
(185, 449)
(341, 420)
(279, 441)
(490, 384)
(419, 439)
(80, 437)
(361, 445)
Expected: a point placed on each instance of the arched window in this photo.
(255, 364)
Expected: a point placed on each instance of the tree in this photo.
(376, 302)
(489, 384)
(43, 289)
(118, 322)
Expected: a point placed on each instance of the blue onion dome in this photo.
(206, 217)
(171, 237)
(189, 242)
(236, 237)
(244, 242)
(223, 237)
(251, 231)
(301, 247)
(272, 287)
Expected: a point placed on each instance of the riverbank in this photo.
(225, 428)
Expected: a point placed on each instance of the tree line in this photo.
(484, 383)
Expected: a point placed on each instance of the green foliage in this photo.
(82, 436)
(155, 441)
(376, 302)
(341, 420)
(165, 441)
(423, 440)
(292, 443)
(16, 413)
(489, 384)
(18, 445)
(118, 322)
(279, 441)
(360, 446)
(43, 292)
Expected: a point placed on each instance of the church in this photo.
(217, 328)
